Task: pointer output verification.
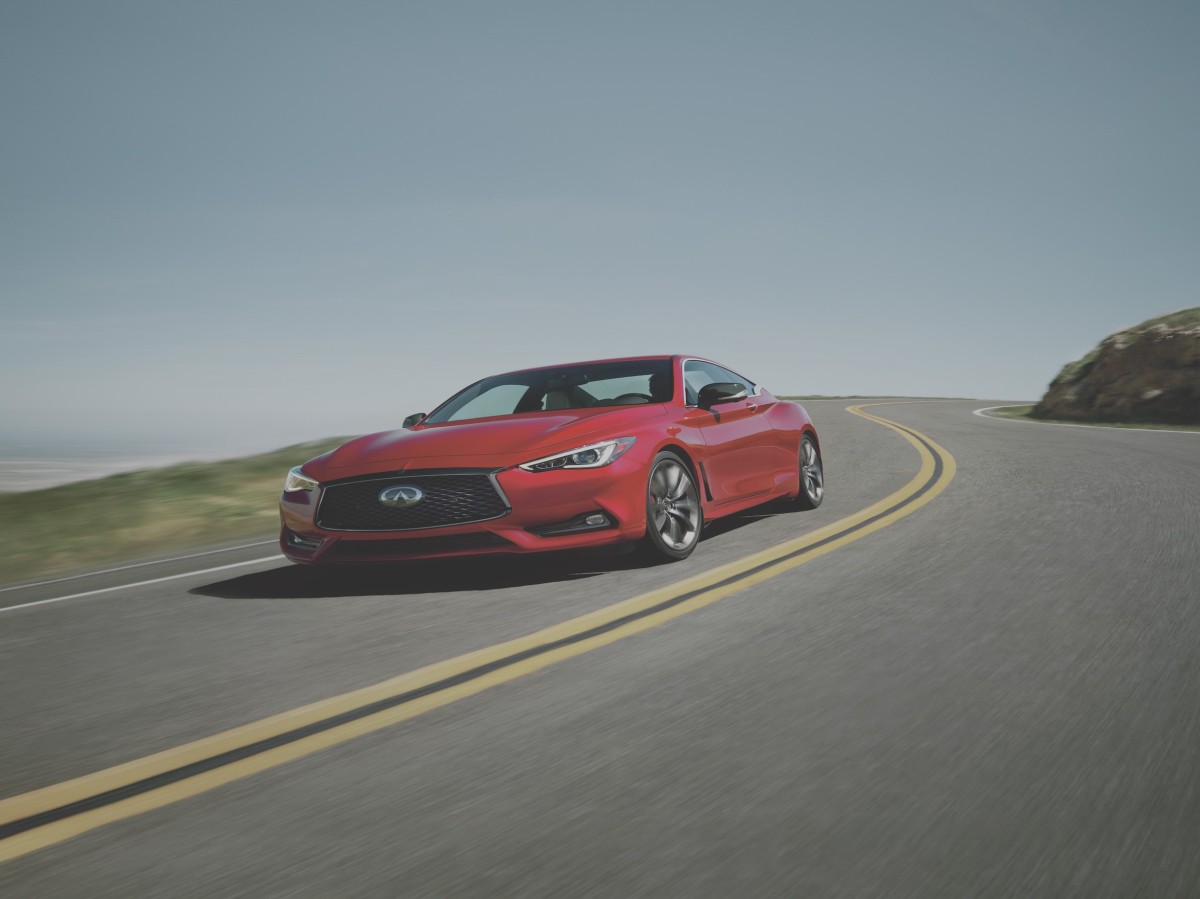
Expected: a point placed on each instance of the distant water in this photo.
(33, 467)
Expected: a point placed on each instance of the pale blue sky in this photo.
(266, 222)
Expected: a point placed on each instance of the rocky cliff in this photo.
(1147, 373)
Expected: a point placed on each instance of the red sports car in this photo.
(587, 454)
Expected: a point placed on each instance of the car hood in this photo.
(486, 443)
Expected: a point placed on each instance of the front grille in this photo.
(350, 550)
(449, 499)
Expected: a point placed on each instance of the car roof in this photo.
(597, 362)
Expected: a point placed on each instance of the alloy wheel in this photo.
(812, 473)
(674, 506)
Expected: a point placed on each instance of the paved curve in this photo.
(997, 696)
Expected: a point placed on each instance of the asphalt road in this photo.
(997, 695)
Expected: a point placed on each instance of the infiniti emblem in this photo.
(401, 496)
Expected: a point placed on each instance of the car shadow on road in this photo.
(455, 575)
(413, 577)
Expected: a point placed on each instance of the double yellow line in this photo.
(43, 817)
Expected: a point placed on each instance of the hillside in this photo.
(1149, 373)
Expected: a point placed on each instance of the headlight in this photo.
(298, 481)
(594, 455)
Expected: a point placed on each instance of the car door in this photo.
(740, 441)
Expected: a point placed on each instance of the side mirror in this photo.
(414, 419)
(721, 392)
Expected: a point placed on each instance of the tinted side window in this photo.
(696, 374)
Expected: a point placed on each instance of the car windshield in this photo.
(568, 387)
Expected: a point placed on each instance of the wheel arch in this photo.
(810, 431)
(693, 465)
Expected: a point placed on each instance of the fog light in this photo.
(588, 521)
(310, 544)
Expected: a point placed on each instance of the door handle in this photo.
(751, 407)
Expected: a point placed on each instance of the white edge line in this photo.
(75, 577)
(1063, 424)
(157, 580)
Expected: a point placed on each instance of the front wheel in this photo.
(812, 475)
(673, 514)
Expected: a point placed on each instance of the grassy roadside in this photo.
(142, 514)
(1022, 412)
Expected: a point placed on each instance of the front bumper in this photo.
(549, 510)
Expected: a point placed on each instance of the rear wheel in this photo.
(673, 514)
(812, 475)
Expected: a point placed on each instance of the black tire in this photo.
(812, 475)
(674, 517)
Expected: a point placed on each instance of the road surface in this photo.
(995, 692)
